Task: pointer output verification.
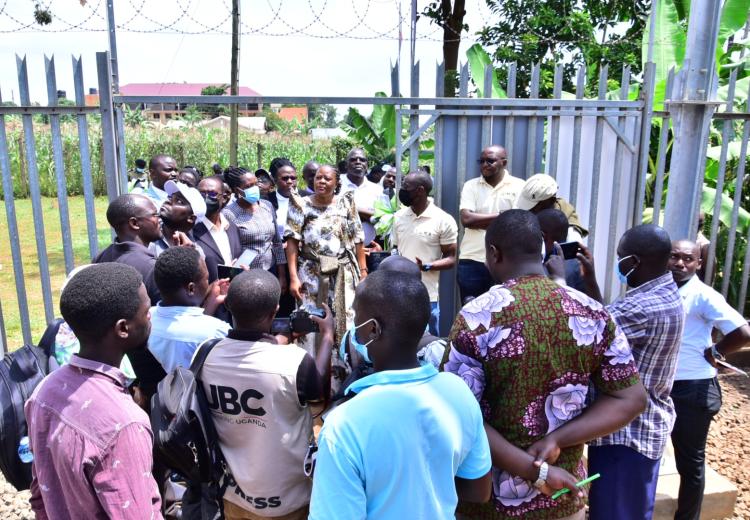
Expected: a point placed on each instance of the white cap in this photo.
(193, 196)
(538, 187)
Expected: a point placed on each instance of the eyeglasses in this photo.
(211, 194)
(486, 161)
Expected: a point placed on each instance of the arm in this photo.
(730, 343)
(589, 276)
(36, 500)
(473, 220)
(338, 487)
(292, 253)
(359, 249)
(607, 414)
(126, 488)
(448, 261)
(474, 490)
(327, 328)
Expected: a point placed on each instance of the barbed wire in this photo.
(185, 23)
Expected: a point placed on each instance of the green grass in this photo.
(53, 237)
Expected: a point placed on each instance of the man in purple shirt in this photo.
(92, 444)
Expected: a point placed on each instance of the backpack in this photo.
(20, 373)
(185, 438)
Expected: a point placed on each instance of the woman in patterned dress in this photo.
(256, 219)
(324, 242)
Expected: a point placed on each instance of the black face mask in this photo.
(405, 197)
(212, 205)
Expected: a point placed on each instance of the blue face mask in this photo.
(623, 277)
(359, 347)
(252, 194)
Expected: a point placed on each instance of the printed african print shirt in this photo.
(528, 350)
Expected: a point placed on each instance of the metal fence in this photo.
(597, 149)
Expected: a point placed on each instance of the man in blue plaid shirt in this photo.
(651, 316)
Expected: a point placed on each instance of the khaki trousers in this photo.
(235, 512)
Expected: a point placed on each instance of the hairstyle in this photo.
(554, 223)
(97, 297)
(335, 170)
(140, 163)
(648, 240)
(424, 179)
(341, 166)
(400, 264)
(194, 170)
(277, 164)
(233, 176)
(175, 268)
(356, 149)
(156, 158)
(218, 170)
(515, 232)
(398, 300)
(122, 209)
(425, 168)
(253, 294)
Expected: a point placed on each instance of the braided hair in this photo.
(233, 176)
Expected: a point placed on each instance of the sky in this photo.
(290, 47)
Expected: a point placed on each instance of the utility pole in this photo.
(692, 109)
(120, 165)
(234, 86)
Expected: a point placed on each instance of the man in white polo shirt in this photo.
(482, 199)
(427, 235)
(365, 192)
(696, 392)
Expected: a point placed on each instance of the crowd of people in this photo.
(490, 422)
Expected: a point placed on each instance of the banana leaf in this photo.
(669, 45)
(727, 203)
(478, 61)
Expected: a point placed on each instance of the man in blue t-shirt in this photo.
(412, 441)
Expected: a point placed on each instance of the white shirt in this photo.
(219, 234)
(281, 212)
(704, 309)
(365, 196)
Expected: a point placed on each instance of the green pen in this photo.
(562, 491)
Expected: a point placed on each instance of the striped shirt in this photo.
(651, 317)
(258, 232)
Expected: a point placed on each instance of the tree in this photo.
(321, 115)
(214, 90)
(451, 19)
(193, 115)
(561, 31)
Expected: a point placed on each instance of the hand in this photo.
(544, 450)
(558, 478)
(709, 357)
(418, 261)
(374, 247)
(326, 325)
(587, 263)
(217, 293)
(362, 274)
(556, 264)
(181, 239)
(295, 288)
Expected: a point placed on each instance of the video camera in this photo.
(299, 321)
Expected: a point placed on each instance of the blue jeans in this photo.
(433, 326)
(627, 487)
(695, 402)
(473, 279)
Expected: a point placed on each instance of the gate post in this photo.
(692, 119)
(109, 140)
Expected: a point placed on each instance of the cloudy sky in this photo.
(290, 47)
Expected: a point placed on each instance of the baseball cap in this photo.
(193, 196)
(538, 187)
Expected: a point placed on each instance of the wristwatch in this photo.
(542, 478)
(426, 267)
(716, 354)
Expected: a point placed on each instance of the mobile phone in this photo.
(227, 271)
(570, 249)
(280, 326)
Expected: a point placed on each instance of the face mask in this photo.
(359, 347)
(252, 194)
(212, 205)
(405, 197)
(623, 277)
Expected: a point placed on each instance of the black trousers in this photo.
(696, 402)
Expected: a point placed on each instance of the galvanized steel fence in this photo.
(597, 149)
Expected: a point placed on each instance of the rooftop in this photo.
(175, 89)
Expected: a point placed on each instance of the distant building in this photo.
(292, 113)
(162, 112)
